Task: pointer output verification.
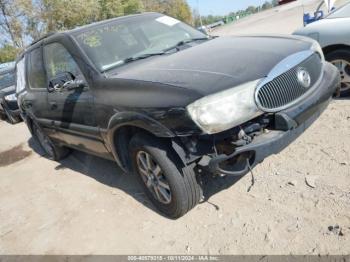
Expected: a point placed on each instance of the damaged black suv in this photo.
(162, 99)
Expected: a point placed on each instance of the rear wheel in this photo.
(51, 150)
(341, 59)
(171, 186)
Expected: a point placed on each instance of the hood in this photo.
(217, 64)
(7, 91)
(328, 31)
(326, 24)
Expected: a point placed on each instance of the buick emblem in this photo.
(304, 77)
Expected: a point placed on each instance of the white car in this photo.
(333, 34)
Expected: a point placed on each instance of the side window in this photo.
(20, 74)
(58, 60)
(35, 69)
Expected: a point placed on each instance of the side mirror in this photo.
(74, 84)
(203, 29)
(57, 83)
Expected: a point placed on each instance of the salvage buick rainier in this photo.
(164, 100)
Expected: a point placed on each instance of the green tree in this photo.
(23, 20)
(175, 8)
(8, 53)
(114, 8)
(12, 21)
(66, 14)
(196, 19)
(251, 9)
(266, 5)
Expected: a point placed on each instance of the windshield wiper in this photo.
(135, 58)
(184, 42)
(165, 51)
(131, 59)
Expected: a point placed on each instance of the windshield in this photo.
(109, 44)
(7, 79)
(342, 12)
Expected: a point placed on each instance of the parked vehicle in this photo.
(332, 33)
(282, 2)
(162, 99)
(324, 6)
(8, 101)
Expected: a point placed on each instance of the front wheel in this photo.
(171, 186)
(341, 59)
(51, 150)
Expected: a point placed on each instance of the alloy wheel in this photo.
(344, 69)
(153, 177)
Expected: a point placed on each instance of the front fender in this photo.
(137, 120)
(133, 119)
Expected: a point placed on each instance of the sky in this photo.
(222, 7)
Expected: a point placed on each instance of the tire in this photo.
(182, 186)
(12, 119)
(52, 151)
(339, 58)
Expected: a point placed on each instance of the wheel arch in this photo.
(330, 48)
(123, 126)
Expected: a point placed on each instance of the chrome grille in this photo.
(285, 89)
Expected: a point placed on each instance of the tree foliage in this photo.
(25, 20)
(8, 53)
(12, 21)
(114, 8)
(175, 8)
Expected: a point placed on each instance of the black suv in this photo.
(163, 100)
(8, 100)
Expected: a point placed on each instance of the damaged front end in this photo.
(237, 150)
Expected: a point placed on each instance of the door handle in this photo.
(27, 104)
(53, 105)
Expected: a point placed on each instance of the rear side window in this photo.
(20, 73)
(58, 60)
(35, 69)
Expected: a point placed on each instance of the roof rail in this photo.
(42, 37)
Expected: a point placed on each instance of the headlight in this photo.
(317, 48)
(11, 97)
(224, 110)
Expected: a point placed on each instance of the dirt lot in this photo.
(85, 205)
(280, 20)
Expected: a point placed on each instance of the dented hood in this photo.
(215, 65)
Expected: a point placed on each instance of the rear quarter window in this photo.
(20, 74)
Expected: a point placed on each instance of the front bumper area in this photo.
(289, 125)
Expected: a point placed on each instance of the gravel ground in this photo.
(299, 203)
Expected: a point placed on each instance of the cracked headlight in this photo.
(11, 97)
(221, 111)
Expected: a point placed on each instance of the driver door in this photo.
(70, 111)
